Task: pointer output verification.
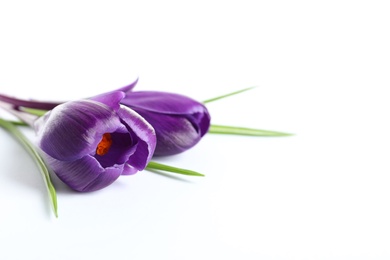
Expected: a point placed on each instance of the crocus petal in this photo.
(111, 99)
(175, 134)
(146, 137)
(129, 87)
(129, 170)
(179, 121)
(200, 121)
(163, 102)
(74, 129)
(85, 174)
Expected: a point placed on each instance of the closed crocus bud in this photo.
(90, 143)
(179, 121)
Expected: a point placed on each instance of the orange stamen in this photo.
(104, 144)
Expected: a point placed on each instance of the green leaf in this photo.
(167, 168)
(18, 123)
(227, 95)
(13, 130)
(232, 130)
(33, 111)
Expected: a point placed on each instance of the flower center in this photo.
(104, 144)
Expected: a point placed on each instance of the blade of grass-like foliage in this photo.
(33, 111)
(227, 95)
(167, 168)
(18, 123)
(232, 130)
(14, 131)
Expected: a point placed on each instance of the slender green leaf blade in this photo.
(227, 95)
(232, 130)
(18, 123)
(33, 111)
(13, 130)
(159, 166)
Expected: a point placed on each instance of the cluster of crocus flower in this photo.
(89, 143)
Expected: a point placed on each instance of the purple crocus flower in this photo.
(179, 121)
(90, 143)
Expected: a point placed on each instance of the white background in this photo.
(322, 71)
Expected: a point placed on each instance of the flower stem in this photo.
(14, 131)
(24, 116)
(27, 103)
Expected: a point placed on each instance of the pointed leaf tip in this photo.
(163, 167)
(228, 95)
(233, 130)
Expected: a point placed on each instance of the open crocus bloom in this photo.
(90, 143)
(179, 121)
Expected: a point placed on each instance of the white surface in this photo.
(322, 68)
